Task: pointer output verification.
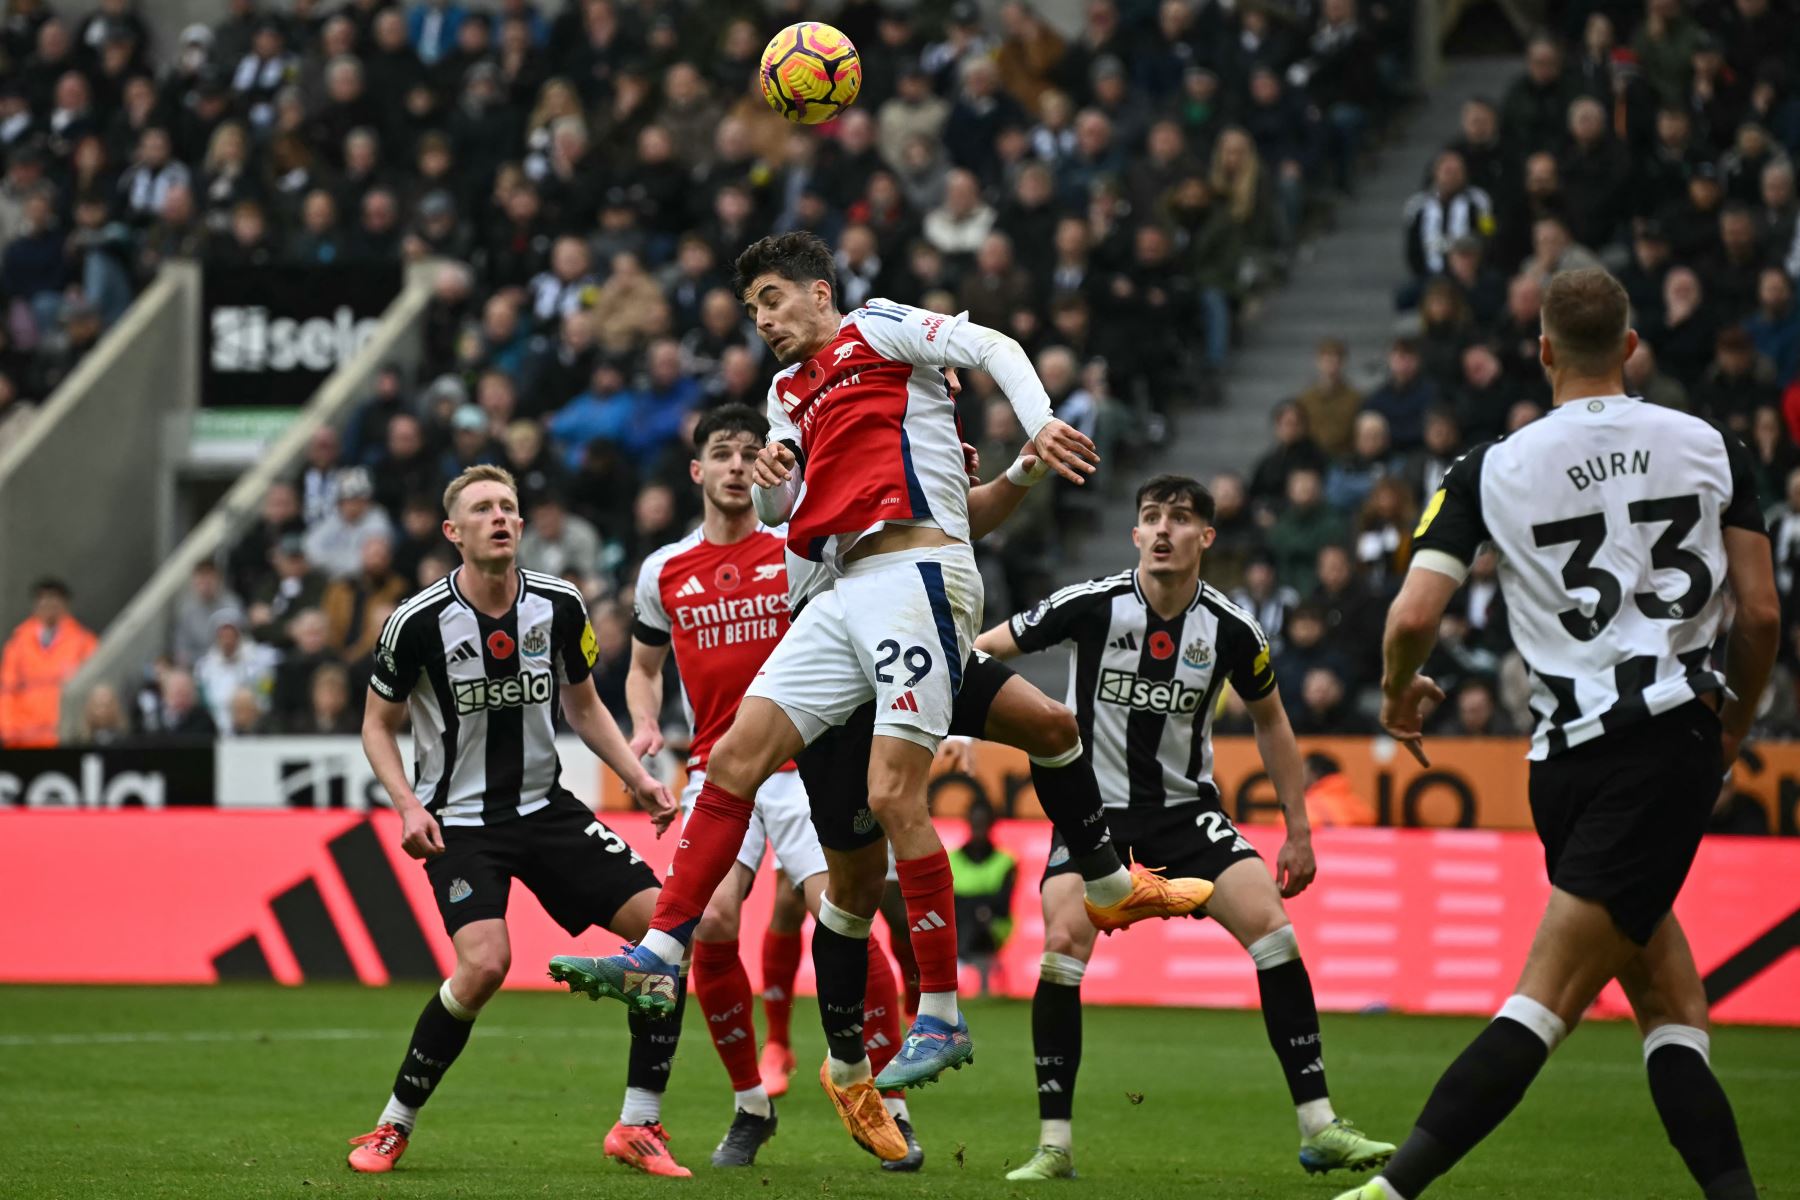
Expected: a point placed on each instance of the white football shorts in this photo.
(896, 628)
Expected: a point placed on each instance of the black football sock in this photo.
(1056, 1034)
(1695, 1112)
(653, 1042)
(1483, 1085)
(1071, 799)
(438, 1037)
(841, 971)
(1290, 1014)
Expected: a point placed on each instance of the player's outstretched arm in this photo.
(775, 480)
(598, 731)
(1295, 865)
(1065, 449)
(1755, 632)
(382, 718)
(644, 696)
(992, 502)
(1412, 628)
(999, 641)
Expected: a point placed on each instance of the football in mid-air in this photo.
(810, 72)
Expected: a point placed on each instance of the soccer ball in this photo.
(810, 73)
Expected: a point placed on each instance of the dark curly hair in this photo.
(730, 418)
(799, 257)
(1166, 489)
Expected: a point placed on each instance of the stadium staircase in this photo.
(1341, 285)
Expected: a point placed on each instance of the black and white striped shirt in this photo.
(1143, 688)
(482, 692)
(1608, 515)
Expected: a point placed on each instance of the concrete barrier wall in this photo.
(86, 493)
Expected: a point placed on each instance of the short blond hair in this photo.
(481, 473)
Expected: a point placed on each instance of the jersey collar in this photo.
(1138, 591)
(466, 603)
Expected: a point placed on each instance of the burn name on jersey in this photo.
(1603, 467)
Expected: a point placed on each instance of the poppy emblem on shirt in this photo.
(1161, 645)
(499, 644)
(726, 578)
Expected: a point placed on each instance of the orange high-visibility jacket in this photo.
(32, 675)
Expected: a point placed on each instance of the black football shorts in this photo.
(1621, 817)
(1195, 840)
(580, 871)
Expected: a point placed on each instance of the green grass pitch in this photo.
(250, 1091)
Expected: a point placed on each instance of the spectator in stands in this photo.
(1331, 800)
(245, 714)
(309, 649)
(1340, 75)
(1404, 397)
(290, 586)
(405, 466)
(335, 542)
(1351, 478)
(154, 170)
(1384, 532)
(329, 711)
(1263, 597)
(351, 602)
(1294, 450)
(558, 542)
(1486, 159)
(1483, 395)
(1423, 470)
(1774, 454)
(179, 716)
(1353, 616)
(958, 226)
(471, 443)
(1595, 168)
(1644, 378)
(1774, 327)
(1684, 339)
(41, 655)
(1325, 708)
(234, 661)
(1738, 382)
(1644, 273)
(420, 532)
(1555, 250)
(103, 720)
(1302, 529)
(319, 475)
(1731, 274)
(1330, 402)
(32, 268)
(1236, 539)
(1474, 712)
(1537, 103)
(1517, 335)
(207, 595)
(1445, 327)
(1450, 209)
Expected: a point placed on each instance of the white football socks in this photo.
(1059, 1134)
(663, 946)
(941, 1005)
(896, 1108)
(1314, 1115)
(754, 1101)
(1110, 890)
(642, 1107)
(403, 1115)
(845, 1074)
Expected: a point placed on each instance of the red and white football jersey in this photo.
(877, 431)
(723, 607)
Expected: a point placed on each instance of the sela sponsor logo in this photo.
(246, 339)
(478, 695)
(536, 643)
(89, 787)
(1163, 696)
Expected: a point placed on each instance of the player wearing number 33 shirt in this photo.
(1618, 526)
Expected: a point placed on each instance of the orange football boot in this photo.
(870, 1124)
(645, 1147)
(378, 1150)
(1151, 895)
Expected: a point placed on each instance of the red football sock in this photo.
(931, 918)
(780, 964)
(723, 988)
(881, 1016)
(709, 844)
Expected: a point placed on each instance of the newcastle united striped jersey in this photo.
(482, 693)
(1608, 515)
(1144, 688)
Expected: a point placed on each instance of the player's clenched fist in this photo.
(419, 833)
(1068, 451)
(774, 465)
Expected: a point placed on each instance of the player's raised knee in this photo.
(1056, 735)
(481, 976)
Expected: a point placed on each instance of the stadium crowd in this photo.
(1656, 140)
(585, 177)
